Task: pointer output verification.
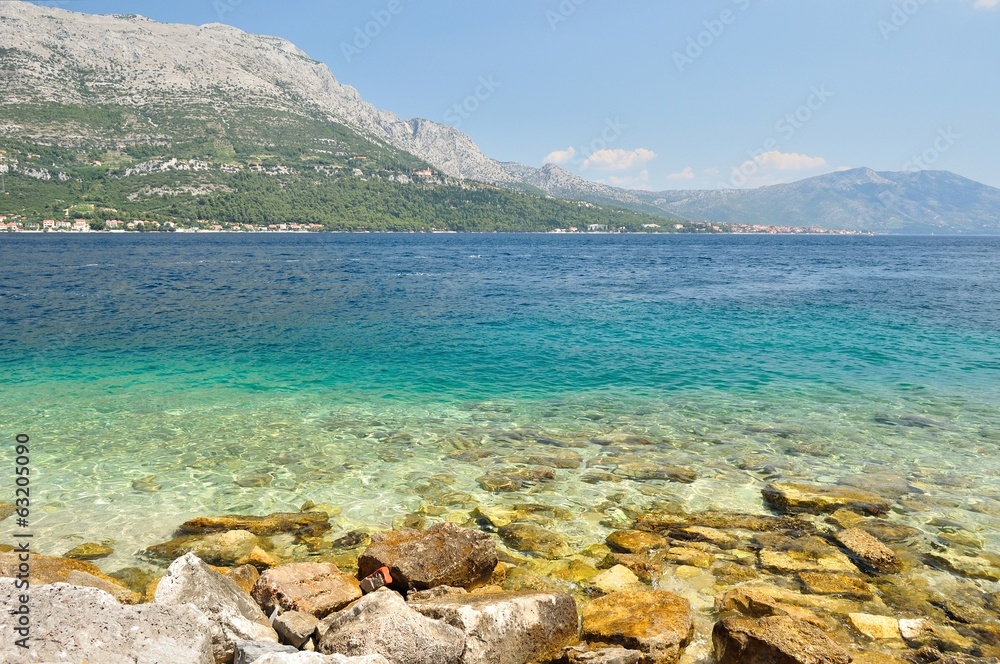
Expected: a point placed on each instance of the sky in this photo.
(661, 94)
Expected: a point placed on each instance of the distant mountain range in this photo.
(145, 92)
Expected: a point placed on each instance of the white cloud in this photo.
(619, 159)
(640, 181)
(986, 4)
(712, 171)
(686, 174)
(786, 161)
(561, 156)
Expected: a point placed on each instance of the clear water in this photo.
(250, 373)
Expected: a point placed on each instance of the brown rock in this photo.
(113, 588)
(790, 497)
(244, 576)
(299, 523)
(6, 509)
(646, 567)
(49, 569)
(228, 549)
(442, 555)
(682, 555)
(877, 628)
(315, 588)
(89, 551)
(532, 538)
(135, 579)
(867, 551)
(788, 562)
(655, 622)
(774, 640)
(758, 602)
(659, 521)
(844, 585)
(713, 536)
(635, 541)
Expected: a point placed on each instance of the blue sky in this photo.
(662, 94)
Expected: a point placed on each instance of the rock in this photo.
(875, 627)
(245, 576)
(229, 549)
(789, 562)
(647, 471)
(299, 523)
(434, 593)
(655, 622)
(616, 579)
(975, 567)
(73, 624)
(89, 551)
(507, 628)
(233, 614)
(682, 555)
(776, 639)
(635, 541)
(867, 551)
(316, 588)
(531, 538)
(6, 509)
(844, 585)
(442, 555)
(116, 589)
(382, 623)
(50, 569)
(252, 651)
(514, 479)
(759, 602)
(295, 627)
(914, 629)
(789, 497)
(713, 536)
(578, 655)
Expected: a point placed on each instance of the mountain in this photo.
(120, 111)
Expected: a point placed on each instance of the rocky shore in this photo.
(824, 574)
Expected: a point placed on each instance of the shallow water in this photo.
(166, 376)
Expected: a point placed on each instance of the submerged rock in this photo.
(866, 550)
(89, 551)
(660, 521)
(778, 639)
(532, 538)
(844, 585)
(616, 579)
(72, 624)
(382, 623)
(790, 497)
(233, 614)
(655, 622)
(514, 479)
(315, 588)
(507, 628)
(442, 555)
(877, 628)
(300, 523)
(228, 549)
(788, 562)
(635, 541)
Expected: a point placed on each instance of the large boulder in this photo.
(774, 640)
(229, 549)
(442, 555)
(233, 613)
(655, 622)
(299, 523)
(73, 624)
(316, 588)
(792, 497)
(507, 628)
(382, 623)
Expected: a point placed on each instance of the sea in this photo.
(161, 377)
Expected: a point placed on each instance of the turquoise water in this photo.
(163, 377)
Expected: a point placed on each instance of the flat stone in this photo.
(233, 614)
(316, 588)
(442, 555)
(790, 497)
(655, 622)
(875, 627)
(635, 541)
(50, 569)
(89, 551)
(228, 549)
(251, 652)
(867, 551)
(507, 628)
(682, 555)
(74, 624)
(975, 567)
(844, 585)
(760, 602)
(382, 623)
(531, 538)
(660, 521)
(776, 639)
(578, 655)
(789, 562)
(616, 579)
(295, 627)
(713, 536)
(299, 523)
(116, 589)
(514, 479)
